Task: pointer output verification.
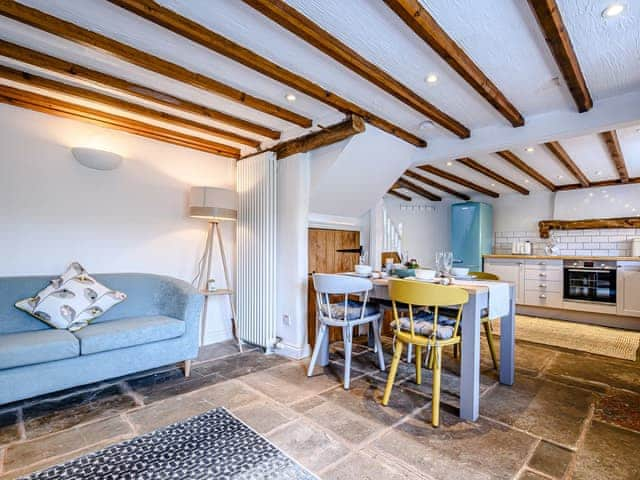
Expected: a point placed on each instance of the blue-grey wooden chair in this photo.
(344, 314)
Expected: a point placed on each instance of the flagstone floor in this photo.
(569, 416)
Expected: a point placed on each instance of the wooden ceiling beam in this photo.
(29, 79)
(472, 164)
(69, 31)
(399, 195)
(301, 26)
(602, 183)
(425, 26)
(555, 34)
(613, 145)
(53, 106)
(514, 160)
(197, 33)
(353, 125)
(404, 183)
(71, 70)
(433, 183)
(459, 180)
(563, 157)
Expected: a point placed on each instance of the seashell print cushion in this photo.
(71, 300)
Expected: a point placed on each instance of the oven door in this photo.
(591, 285)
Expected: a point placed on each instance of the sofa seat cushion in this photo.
(128, 332)
(28, 348)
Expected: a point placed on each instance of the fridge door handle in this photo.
(458, 260)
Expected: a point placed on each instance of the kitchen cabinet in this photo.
(509, 270)
(543, 283)
(628, 284)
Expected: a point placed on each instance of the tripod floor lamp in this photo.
(214, 205)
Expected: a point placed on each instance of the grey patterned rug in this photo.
(213, 445)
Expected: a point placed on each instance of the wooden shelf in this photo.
(220, 291)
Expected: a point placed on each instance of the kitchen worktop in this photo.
(563, 257)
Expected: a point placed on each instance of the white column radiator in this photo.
(256, 243)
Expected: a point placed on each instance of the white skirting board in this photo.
(256, 244)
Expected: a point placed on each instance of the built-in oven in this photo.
(590, 281)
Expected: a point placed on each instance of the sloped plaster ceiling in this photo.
(359, 175)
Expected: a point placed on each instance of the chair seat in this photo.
(128, 332)
(354, 310)
(424, 327)
(39, 346)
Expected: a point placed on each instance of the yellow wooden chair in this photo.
(423, 333)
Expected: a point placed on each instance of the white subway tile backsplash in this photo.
(603, 242)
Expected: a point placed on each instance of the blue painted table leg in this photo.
(507, 342)
(470, 362)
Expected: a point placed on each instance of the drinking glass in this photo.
(447, 262)
(439, 262)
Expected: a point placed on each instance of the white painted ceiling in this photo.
(501, 36)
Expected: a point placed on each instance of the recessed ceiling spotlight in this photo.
(427, 125)
(560, 177)
(529, 149)
(493, 184)
(526, 180)
(432, 78)
(599, 173)
(449, 164)
(290, 97)
(613, 10)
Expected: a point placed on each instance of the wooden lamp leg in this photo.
(234, 325)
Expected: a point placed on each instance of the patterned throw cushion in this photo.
(354, 309)
(424, 327)
(71, 300)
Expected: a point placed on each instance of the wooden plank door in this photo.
(324, 258)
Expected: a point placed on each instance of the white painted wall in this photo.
(292, 255)
(134, 219)
(516, 212)
(609, 202)
(363, 170)
(426, 227)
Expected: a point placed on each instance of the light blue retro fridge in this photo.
(471, 234)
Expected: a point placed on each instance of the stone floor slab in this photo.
(553, 411)
(219, 350)
(608, 452)
(620, 408)
(239, 365)
(457, 450)
(592, 372)
(19, 455)
(265, 416)
(9, 430)
(289, 383)
(364, 466)
(551, 459)
(59, 414)
(311, 446)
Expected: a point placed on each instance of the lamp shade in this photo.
(210, 203)
(96, 159)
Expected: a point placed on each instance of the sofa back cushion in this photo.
(147, 295)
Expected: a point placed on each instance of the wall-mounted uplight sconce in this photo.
(97, 159)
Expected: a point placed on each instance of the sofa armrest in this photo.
(182, 301)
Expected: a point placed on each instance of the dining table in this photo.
(470, 348)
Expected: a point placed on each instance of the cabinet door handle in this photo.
(542, 296)
(543, 274)
(542, 263)
(543, 285)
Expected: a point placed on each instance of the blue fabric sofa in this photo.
(156, 325)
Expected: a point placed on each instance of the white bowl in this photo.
(459, 271)
(424, 274)
(364, 269)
